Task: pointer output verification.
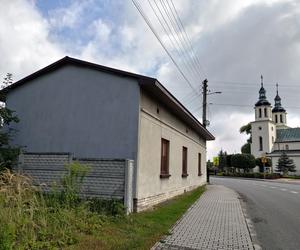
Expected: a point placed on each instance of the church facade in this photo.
(270, 133)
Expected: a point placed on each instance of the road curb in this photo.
(250, 225)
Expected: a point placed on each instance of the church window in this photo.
(259, 128)
(281, 119)
(286, 147)
(272, 128)
(276, 119)
(266, 112)
(272, 138)
(259, 113)
(260, 143)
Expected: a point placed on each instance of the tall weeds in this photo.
(31, 219)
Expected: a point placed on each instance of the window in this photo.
(184, 161)
(199, 165)
(260, 144)
(266, 112)
(272, 139)
(259, 113)
(276, 119)
(281, 119)
(286, 147)
(272, 128)
(259, 128)
(164, 167)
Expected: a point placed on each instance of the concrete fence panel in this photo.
(107, 178)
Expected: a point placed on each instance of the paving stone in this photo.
(215, 221)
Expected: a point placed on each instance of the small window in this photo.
(260, 143)
(286, 147)
(272, 138)
(164, 168)
(266, 112)
(184, 161)
(259, 113)
(281, 120)
(272, 128)
(276, 119)
(199, 165)
(259, 128)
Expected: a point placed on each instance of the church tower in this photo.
(263, 129)
(278, 112)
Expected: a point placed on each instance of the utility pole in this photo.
(204, 88)
(205, 93)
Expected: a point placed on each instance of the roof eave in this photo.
(154, 87)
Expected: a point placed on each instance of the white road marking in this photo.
(294, 192)
(263, 185)
(283, 189)
(273, 187)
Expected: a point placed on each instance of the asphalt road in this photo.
(274, 209)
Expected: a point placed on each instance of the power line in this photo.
(187, 38)
(176, 28)
(168, 31)
(138, 7)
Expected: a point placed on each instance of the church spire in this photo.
(277, 99)
(262, 100)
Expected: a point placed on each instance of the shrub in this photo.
(243, 161)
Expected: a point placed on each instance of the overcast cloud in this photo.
(236, 42)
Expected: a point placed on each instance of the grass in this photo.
(31, 219)
(142, 230)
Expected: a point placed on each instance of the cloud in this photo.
(24, 42)
(236, 41)
(69, 16)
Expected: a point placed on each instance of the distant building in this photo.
(270, 133)
(92, 111)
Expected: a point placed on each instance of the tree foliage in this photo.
(285, 164)
(246, 129)
(222, 160)
(246, 149)
(243, 161)
(8, 153)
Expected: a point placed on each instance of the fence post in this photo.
(128, 195)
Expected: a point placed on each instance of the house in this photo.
(96, 112)
(270, 133)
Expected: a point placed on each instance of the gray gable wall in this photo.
(79, 110)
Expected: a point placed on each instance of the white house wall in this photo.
(152, 128)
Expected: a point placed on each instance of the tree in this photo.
(7, 80)
(8, 153)
(243, 161)
(246, 149)
(222, 160)
(285, 164)
(258, 162)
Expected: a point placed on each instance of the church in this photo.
(270, 133)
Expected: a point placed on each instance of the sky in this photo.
(234, 41)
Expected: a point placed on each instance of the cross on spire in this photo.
(262, 80)
(277, 88)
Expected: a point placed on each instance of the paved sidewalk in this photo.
(216, 221)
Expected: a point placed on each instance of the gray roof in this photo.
(288, 135)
